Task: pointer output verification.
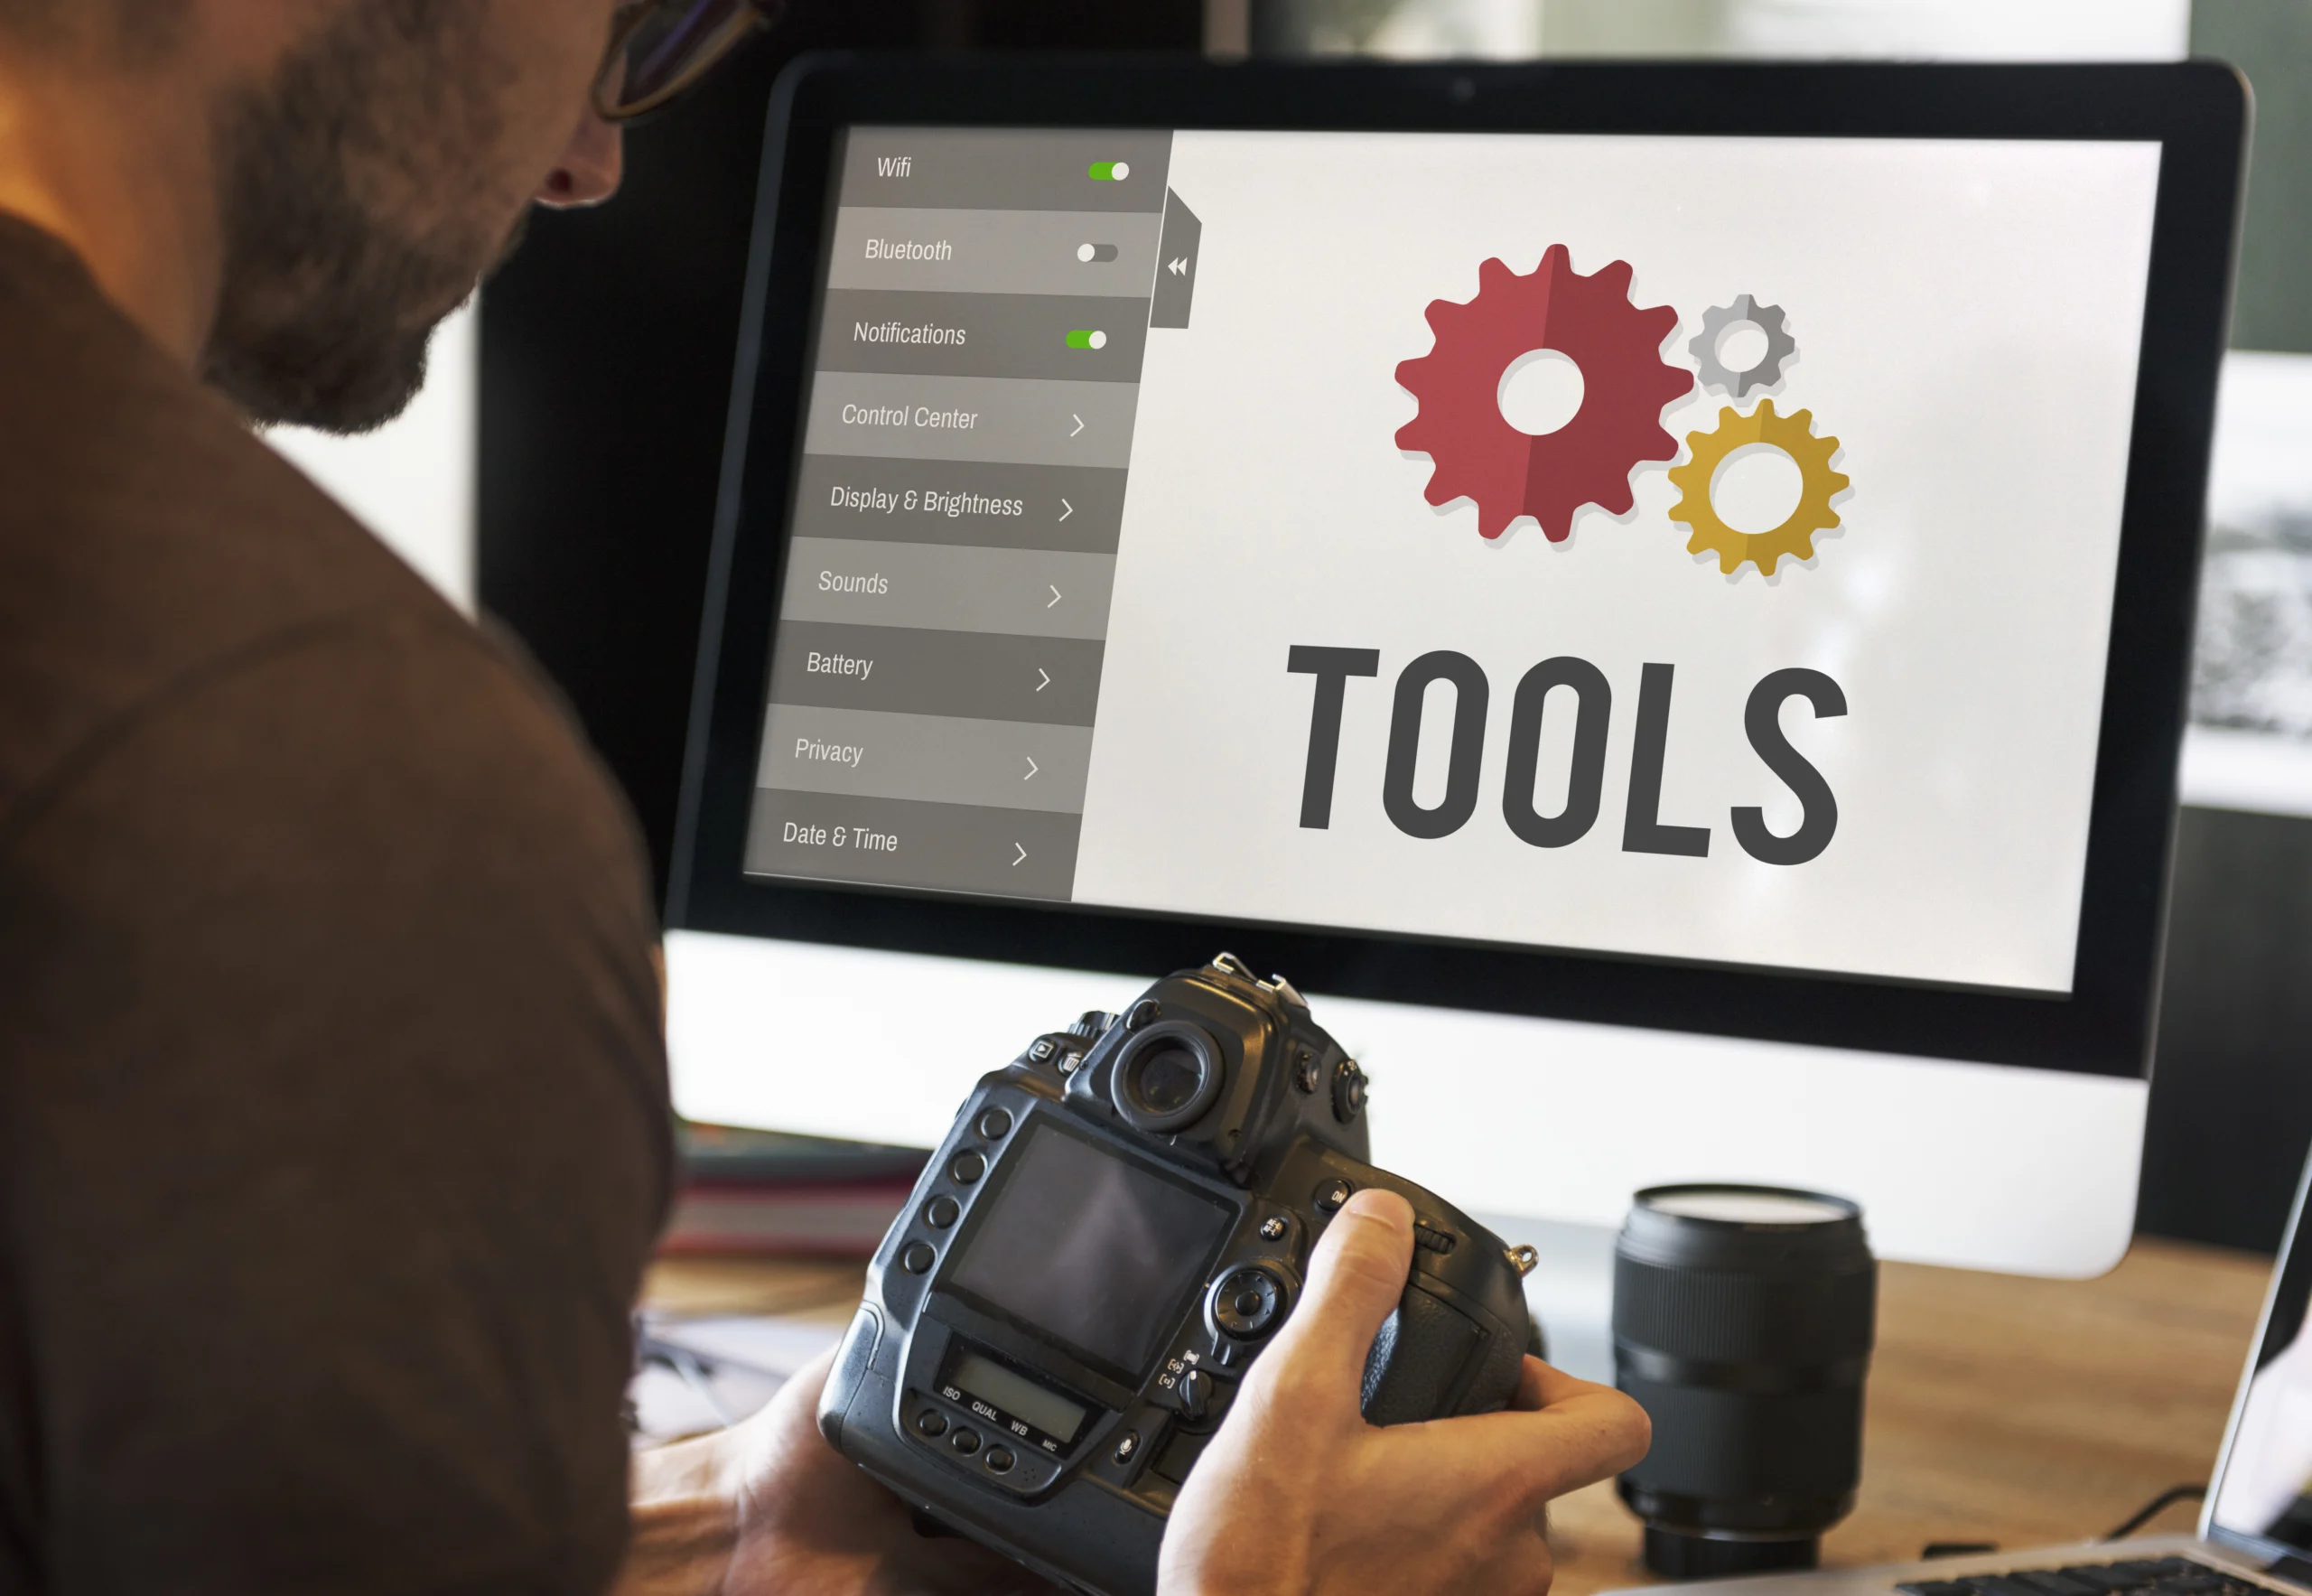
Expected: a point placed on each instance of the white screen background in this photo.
(1967, 316)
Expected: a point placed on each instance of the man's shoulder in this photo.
(149, 543)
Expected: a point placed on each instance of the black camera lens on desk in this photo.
(1743, 1320)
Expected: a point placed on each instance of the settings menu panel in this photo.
(943, 617)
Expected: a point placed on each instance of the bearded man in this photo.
(333, 1118)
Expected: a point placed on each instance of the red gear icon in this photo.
(1625, 386)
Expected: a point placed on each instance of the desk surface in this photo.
(2024, 1412)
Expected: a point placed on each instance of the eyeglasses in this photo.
(660, 47)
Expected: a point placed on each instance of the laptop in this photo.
(2255, 1529)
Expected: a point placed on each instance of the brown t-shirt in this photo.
(333, 1126)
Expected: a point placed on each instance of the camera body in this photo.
(1116, 1225)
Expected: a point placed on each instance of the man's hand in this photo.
(768, 1506)
(1297, 1496)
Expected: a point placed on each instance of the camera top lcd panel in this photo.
(1677, 546)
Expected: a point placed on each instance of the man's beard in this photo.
(328, 300)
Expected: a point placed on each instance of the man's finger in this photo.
(1539, 1384)
(1357, 1274)
(1582, 1434)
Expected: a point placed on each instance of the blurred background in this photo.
(558, 474)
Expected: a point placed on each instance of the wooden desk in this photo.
(2023, 1412)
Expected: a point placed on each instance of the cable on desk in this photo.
(693, 1371)
(2157, 1505)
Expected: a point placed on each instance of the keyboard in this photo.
(2162, 1576)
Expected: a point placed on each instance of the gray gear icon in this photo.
(1769, 319)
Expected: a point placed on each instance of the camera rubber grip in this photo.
(1420, 1367)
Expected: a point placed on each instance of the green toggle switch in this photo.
(1086, 340)
(1109, 171)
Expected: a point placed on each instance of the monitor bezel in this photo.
(2197, 113)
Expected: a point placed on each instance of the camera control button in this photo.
(1246, 1302)
(931, 1423)
(966, 1441)
(996, 1125)
(1128, 1447)
(1431, 1237)
(1039, 1052)
(1146, 1012)
(1331, 1194)
(942, 1211)
(999, 1460)
(967, 1168)
(917, 1257)
(1194, 1394)
(1273, 1228)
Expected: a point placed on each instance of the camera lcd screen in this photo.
(1091, 1249)
(1088, 406)
(1017, 1396)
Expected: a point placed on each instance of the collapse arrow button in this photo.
(1033, 767)
(1079, 422)
(1047, 679)
(1066, 509)
(1023, 859)
(1056, 596)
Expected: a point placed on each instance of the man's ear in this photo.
(587, 171)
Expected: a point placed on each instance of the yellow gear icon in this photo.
(1793, 434)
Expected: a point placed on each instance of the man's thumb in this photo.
(1357, 1274)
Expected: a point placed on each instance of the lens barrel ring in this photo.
(1718, 1316)
(1167, 1040)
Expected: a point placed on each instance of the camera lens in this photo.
(1743, 1318)
(1168, 1076)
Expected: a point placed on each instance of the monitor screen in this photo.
(1694, 548)
(1084, 1246)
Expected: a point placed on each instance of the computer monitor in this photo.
(1659, 595)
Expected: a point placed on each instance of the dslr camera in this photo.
(1116, 1226)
